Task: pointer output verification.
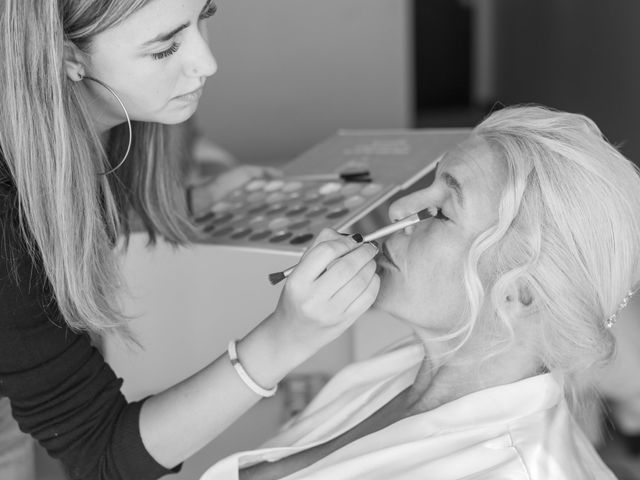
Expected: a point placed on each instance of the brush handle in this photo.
(383, 232)
(393, 228)
(288, 271)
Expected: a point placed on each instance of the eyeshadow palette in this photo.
(286, 214)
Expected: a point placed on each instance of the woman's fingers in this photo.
(334, 283)
(349, 276)
(354, 286)
(325, 234)
(319, 257)
(365, 299)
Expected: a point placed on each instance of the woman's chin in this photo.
(180, 117)
(178, 113)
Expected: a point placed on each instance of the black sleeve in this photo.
(62, 391)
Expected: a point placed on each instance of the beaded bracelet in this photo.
(244, 376)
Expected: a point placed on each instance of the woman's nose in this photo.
(210, 67)
(396, 210)
(205, 66)
(407, 205)
(201, 62)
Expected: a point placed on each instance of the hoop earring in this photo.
(126, 114)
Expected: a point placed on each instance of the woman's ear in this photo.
(73, 63)
(519, 301)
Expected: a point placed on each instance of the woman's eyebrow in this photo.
(163, 37)
(453, 183)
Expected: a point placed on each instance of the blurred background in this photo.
(293, 72)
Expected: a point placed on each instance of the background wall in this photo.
(577, 55)
(292, 72)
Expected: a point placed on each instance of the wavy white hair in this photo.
(568, 229)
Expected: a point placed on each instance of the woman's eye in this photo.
(166, 53)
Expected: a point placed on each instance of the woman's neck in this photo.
(444, 377)
(103, 121)
(105, 137)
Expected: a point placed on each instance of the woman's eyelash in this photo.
(209, 12)
(440, 215)
(166, 53)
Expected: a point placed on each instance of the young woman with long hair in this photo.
(88, 91)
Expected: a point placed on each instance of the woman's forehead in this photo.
(155, 19)
(474, 164)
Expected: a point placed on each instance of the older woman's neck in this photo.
(444, 377)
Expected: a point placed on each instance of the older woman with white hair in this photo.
(512, 291)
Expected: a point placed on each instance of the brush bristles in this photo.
(427, 213)
(275, 278)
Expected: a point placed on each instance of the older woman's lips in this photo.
(386, 256)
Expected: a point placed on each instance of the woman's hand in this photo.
(334, 284)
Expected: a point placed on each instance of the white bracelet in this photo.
(244, 376)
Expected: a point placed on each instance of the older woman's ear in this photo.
(518, 301)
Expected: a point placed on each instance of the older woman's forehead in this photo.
(473, 161)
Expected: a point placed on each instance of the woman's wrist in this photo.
(244, 376)
(268, 355)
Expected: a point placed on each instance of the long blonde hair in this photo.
(71, 215)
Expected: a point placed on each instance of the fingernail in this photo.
(375, 244)
(357, 237)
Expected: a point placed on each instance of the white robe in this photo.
(518, 431)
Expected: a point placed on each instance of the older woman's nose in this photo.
(396, 210)
(407, 205)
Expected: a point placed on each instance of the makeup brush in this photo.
(360, 176)
(275, 278)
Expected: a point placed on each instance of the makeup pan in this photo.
(205, 218)
(281, 236)
(223, 232)
(284, 213)
(301, 239)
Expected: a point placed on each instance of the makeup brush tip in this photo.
(427, 213)
(275, 278)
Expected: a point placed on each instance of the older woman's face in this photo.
(421, 269)
(153, 60)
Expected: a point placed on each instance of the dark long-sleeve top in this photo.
(62, 392)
